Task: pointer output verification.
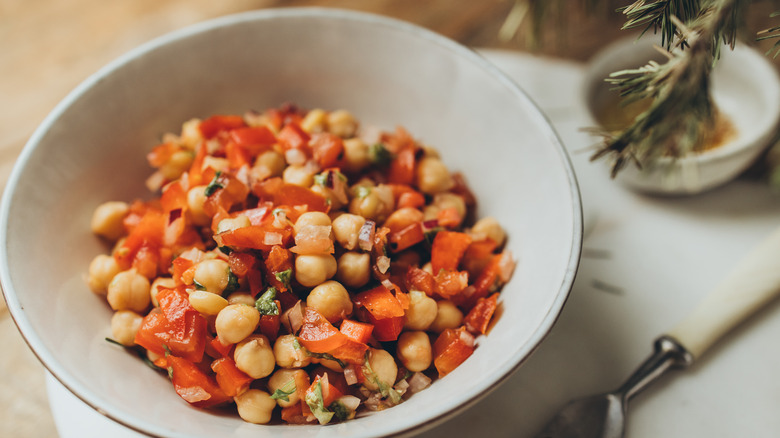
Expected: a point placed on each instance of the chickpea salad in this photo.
(297, 267)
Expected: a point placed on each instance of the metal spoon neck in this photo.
(668, 354)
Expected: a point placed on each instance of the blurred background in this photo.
(50, 46)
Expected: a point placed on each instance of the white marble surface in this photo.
(647, 261)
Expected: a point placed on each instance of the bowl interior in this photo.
(92, 149)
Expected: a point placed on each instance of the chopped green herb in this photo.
(379, 155)
(232, 285)
(384, 388)
(327, 356)
(297, 345)
(198, 286)
(339, 410)
(266, 304)
(214, 185)
(363, 191)
(226, 250)
(321, 179)
(284, 277)
(141, 354)
(431, 234)
(285, 391)
(317, 405)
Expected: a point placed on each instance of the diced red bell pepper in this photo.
(222, 350)
(283, 194)
(380, 303)
(485, 283)
(402, 167)
(232, 192)
(194, 385)
(411, 198)
(293, 414)
(269, 324)
(179, 266)
(351, 352)
(147, 261)
(337, 385)
(317, 334)
(292, 136)
(357, 331)
(328, 149)
(451, 283)
(195, 174)
(407, 237)
(279, 259)
(449, 217)
(230, 379)
(215, 124)
(477, 256)
(147, 232)
(252, 237)
(478, 318)
(417, 279)
(447, 250)
(241, 262)
(237, 157)
(452, 347)
(160, 154)
(253, 139)
(387, 329)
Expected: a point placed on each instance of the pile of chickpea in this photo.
(328, 281)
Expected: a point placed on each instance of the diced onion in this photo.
(383, 263)
(506, 266)
(418, 382)
(272, 238)
(313, 239)
(401, 387)
(295, 157)
(466, 337)
(350, 402)
(293, 318)
(350, 375)
(194, 394)
(155, 181)
(366, 236)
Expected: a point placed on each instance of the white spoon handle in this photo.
(751, 285)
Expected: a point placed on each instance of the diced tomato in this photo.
(336, 385)
(447, 250)
(357, 331)
(292, 136)
(479, 316)
(181, 265)
(147, 261)
(283, 194)
(328, 149)
(402, 167)
(252, 237)
(216, 124)
(486, 282)
(477, 256)
(232, 192)
(195, 174)
(279, 259)
(230, 379)
(269, 324)
(318, 335)
(254, 139)
(450, 283)
(351, 351)
(406, 237)
(387, 329)
(452, 347)
(194, 385)
(380, 302)
(237, 157)
(293, 414)
(173, 197)
(411, 198)
(147, 232)
(241, 262)
(449, 217)
(223, 350)
(417, 279)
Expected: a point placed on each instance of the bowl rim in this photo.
(47, 359)
(761, 70)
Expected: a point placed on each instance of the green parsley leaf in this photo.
(140, 353)
(297, 345)
(327, 356)
(284, 277)
(214, 185)
(198, 286)
(232, 285)
(339, 410)
(385, 389)
(226, 250)
(265, 304)
(317, 405)
(379, 155)
(321, 179)
(284, 392)
(431, 234)
(363, 191)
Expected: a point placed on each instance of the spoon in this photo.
(753, 283)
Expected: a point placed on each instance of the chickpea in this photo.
(179, 163)
(216, 163)
(190, 134)
(255, 357)
(206, 302)
(335, 202)
(490, 228)
(289, 354)
(102, 269)
(313, 269)
(129, 290)
(331, 300)
(255, 406)
(241, 298)
(233, 223)
(422, 311)
(346, 229)
(431, 211)
(414, 351)
(196, 198)
(107, 220)
(384, 367)
(124, 325)
(298, 175)
(450, 200)
(356, 155)
(160, 282)
(354, 269)
(213, 274)
(235, 322)
(342, 123)
(433, 176)
(269, 164)
(402, 218)
(447, 316)
(311, 218)
(375, 203)
(288, 379)
(314, 121)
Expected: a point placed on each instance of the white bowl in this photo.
(92, 147)
(745, 87)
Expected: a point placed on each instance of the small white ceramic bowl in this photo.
(745, 87)
(92, 148)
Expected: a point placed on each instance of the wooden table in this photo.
(50, 46)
